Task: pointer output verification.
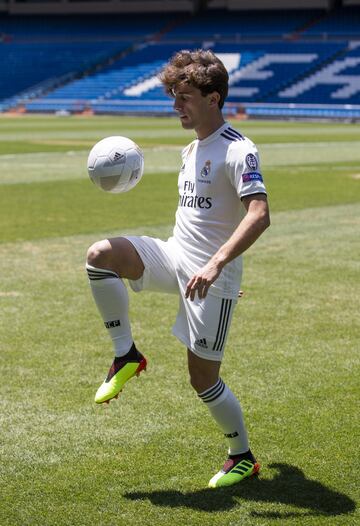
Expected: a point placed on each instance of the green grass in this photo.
(292, 355)
(299, 174)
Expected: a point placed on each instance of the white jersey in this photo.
(217, 172)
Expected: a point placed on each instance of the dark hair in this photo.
(200, 68)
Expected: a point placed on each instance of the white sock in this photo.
(226, 411)
(112, 300)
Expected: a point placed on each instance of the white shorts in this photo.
(202, 325)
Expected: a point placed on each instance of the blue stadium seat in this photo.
(341, 22)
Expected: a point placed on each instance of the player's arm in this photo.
(256, 220)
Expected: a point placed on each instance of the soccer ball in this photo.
(115, 164)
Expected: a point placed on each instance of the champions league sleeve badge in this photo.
(206, 169)
(251, 161)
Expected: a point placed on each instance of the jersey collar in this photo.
(213, 136)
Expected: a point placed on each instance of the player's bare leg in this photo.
(203, 373)
(116, 254)
(108, 261)
(226, 411)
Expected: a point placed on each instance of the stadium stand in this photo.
(29, 64)
(72, 27)
(342, 22)
(221, 25)
(338, 81)
(281, 63)
(39, 53)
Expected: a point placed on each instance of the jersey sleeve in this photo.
(243, 168)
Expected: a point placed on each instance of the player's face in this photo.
(192, 107)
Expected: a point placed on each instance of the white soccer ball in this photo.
(115, 164)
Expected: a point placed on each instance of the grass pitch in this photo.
(292, 355)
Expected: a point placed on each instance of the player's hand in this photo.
(201, 281)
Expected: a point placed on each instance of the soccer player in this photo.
(222, 210)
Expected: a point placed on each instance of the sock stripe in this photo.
(223, 324)
(213, 393)
(211, 389)
(96, 274)
(219, 393)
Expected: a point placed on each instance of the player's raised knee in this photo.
(118, 255)
(99, 254)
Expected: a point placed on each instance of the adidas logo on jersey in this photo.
(201, 343)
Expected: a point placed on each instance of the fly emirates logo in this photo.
(191, 200)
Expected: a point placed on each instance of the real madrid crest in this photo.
(206, 169)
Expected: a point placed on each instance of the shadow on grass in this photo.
(289, 486)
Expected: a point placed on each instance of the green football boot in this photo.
(123, 368)
(234, 470)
